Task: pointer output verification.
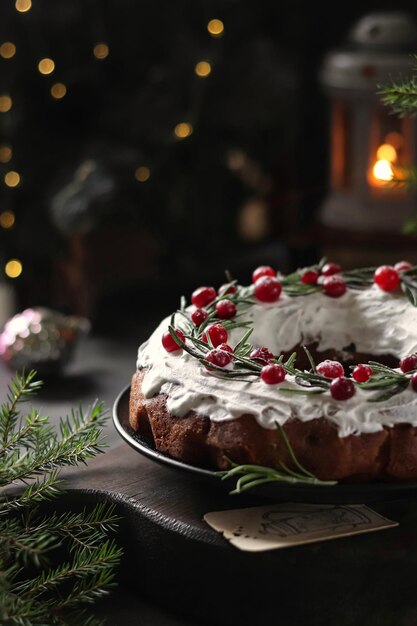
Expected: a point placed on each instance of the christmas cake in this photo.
(318, 367)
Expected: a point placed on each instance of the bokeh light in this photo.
(58, 90)
(7, 219)
(7, 50)
(215, 27)
(23, 5)
(202, 69)
(183, 130)
(12, 179)
(101, 50)
(46, 66)
(13, 268)
(6, 153)
(6, 103)
(142, 174)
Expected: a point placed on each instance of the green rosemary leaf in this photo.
(410, 292)
(310, 359)
(308, 392)
(243, 340)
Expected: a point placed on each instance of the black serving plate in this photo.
(340, 492)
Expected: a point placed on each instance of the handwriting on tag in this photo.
(288, 524)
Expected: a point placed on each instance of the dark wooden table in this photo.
(177, 570)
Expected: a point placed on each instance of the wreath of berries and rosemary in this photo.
(204, 333)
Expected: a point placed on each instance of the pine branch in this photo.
(32, 452)
(401, 97)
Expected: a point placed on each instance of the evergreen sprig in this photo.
(250, 476)
(37, 589)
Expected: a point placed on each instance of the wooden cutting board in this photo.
(174, 558)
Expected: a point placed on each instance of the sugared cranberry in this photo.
(272, 374)
(414, 381)
(226, 347)
(268, 289)
(334, 286)
(402, 266)
(217, 334)
(386, 277)
(362, 373)
(263, 270)
(203, 296)
(199, 316)
(169, 343)
(331, 369)
(310, 277)
(225, 309)
(342, 388)
(218, 357)
(408, 363)
(329, 269)
(225, 290)
(261, 354)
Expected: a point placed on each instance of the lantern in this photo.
(370, 148)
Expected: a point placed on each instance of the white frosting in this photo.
(375, 321)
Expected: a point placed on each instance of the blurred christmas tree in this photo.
(137, 138)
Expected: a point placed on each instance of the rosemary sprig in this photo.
(250, 476)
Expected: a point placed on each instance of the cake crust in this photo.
(389, 454)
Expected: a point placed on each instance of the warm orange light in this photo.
(215, 27)
(386, 152)
(13, 268)
(101, 50)
(6, 104)
(23, 5)
(46, 66)
(7, 219)
(183, 130)
(12, 179)
(202, 69)
(5, 153)
(395, 139)
(58, 91)
(7, 50)
(383, 170)
(142, 174)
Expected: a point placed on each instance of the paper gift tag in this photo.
(293, 523)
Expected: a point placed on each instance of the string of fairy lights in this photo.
(13, 267)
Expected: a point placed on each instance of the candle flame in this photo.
(383, 170)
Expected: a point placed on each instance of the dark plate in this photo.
(347, 493)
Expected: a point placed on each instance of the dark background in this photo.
(243, 189)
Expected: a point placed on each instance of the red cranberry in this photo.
(414, 381)
(408, 363)
(362, 373)
(261, 354)
(272, 374)
(386, 277)
(225, 309)
(267, 289)
(217, 334)
(221, 358)
(203, 296)
(334, 286)
(263, 270)
(342, 388)
(199, 316)
(330, 369)
(402, 266)
(226, 348)
(169, 343)
(329, 269)
(227, 289)
(310, 277)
